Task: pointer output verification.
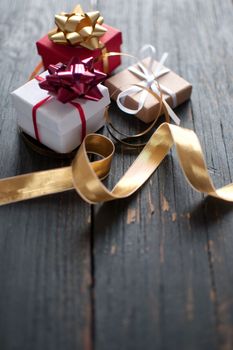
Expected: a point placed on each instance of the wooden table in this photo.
(151, 272)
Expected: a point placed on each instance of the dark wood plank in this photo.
(153, 271)
(45, 267)
(163, 258)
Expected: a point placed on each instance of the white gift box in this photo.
(59, 125)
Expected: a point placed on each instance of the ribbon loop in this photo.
(147, 50)
(131, 91)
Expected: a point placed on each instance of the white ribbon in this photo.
(149, 80)
(93, 4)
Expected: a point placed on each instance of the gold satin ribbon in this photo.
(36, 70)
(104, 54)
(104, 57)
(85, 176)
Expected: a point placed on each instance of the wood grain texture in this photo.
(161, 275)
(150, 272)
(45, 266)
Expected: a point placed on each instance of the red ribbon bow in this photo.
(67, 82)
(76, 79)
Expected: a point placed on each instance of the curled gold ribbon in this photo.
(79, 28)
(85, 176)
(129, 139)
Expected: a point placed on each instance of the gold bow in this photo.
(79, 28)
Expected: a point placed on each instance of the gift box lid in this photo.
(54, 114)
(45, 43)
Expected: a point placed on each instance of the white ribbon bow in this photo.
(149, 80)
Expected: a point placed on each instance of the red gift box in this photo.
(52, 53)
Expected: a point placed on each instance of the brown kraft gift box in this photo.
(124, 79)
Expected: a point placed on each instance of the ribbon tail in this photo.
(161, 62)
(172, 113)
(190, 157)
(28, 186)
(32, 185)
(170, 93)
